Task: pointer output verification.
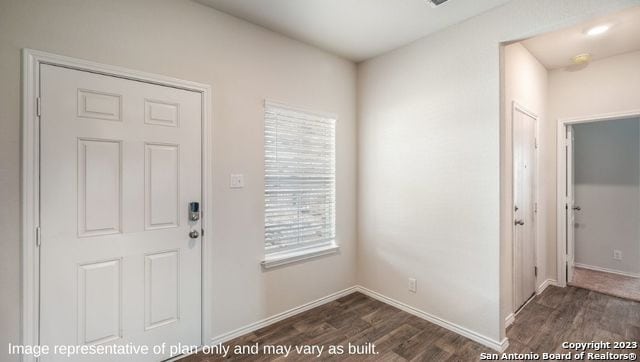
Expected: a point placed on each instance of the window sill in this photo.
(288, 257)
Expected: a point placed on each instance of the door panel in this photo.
(100, 302)
(99, 187)
(162, 288)
(162, 176)
(120, 162)
(524, 167)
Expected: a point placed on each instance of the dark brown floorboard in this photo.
(555, 316)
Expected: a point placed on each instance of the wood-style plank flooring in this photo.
(575, 315)
(607, 283)
(557, 315)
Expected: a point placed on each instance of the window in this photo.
(299, 184)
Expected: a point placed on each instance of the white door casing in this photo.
(100, 153)
(524, 208)
(564, 190)
(570, 212)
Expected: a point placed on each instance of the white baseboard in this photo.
(486, 341)
(225, 337)
(606, 270)
(509, 320)
(512, 316)
(474, 336)
(545, 284)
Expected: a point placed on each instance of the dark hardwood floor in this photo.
(575, 315)
(557, 315)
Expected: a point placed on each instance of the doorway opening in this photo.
(599, 203)
(572, 75)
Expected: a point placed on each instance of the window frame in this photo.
(295, 253)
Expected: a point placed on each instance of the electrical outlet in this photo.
(236, 181)
(413, 285)
(617, 254)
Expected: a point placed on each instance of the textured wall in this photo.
(429, 162)
(244, 64)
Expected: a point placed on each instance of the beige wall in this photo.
(244, 64)
(604, 86)
(429, 163)
(428, 143)
(525, 82)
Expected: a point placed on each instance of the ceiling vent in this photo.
(435, 3)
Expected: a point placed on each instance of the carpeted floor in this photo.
(607, 283)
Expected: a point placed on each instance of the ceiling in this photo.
(555, 50)
(354, 29)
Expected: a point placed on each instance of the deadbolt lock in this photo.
(194, 211)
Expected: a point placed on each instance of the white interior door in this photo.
(524, 171)
(570, 211)
(120, 163)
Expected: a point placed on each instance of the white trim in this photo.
(303, 109)
(225, 337)
(278, 259)
(519, 107)
(31, 62)
(561, 178)
(474, 336)
(509, 320)
(525, 110)
(486, 341)
(512, 317)
(545, 284)
(606, 270)
(601, 117)
(29, 202)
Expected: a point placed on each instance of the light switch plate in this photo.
(236, 181)
(413, 285)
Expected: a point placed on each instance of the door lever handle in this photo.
(577, 208)
(519, 222)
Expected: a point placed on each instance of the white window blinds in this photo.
(299, 179)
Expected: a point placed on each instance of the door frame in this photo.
(32, 60)
(516, 106)
(562, 249)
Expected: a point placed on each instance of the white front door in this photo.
(120, 163)
(524, 167)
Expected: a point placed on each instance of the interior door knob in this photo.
(519, 222)
(193, 234)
